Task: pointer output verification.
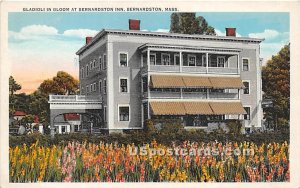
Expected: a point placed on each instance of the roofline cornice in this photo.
(103, 32)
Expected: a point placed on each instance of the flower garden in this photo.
(104, 162)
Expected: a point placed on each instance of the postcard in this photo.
(149, 94)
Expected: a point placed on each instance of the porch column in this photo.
(181, 93)
(238, 64)
(148, 59)
(206, 63)
(148, 76)
(207, 93)
(180, 61)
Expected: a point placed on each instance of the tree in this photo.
(13, 86)
(188, 23)
(175, 23)
(63, 83)
(276, 86)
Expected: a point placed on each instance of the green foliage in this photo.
(37, 102)
(276, 86)
(62, 83)
(234, 126)
(13, 86)
(141, 137)
(188, 23)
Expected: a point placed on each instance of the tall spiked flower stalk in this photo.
(107, 162)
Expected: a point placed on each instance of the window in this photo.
(63, 129)
(94, 63)
(247, 116)
(165, 59)
(91, 88)
(100, 63)
(91, 65)
(104, 61)
(82, 90)
(104, 86)
(123, 59)
(191, 60)
(245, 64)
(152, 59)
(95, 86)
(100, 86)
(105, 113)
(76, 128)
(247, 87)
(123, 85)
(177, 59)
(123, 113)
(221, 61)
(87, 89)
(82, 73)
(87, 70)
(145, 83)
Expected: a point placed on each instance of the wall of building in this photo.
(132, 73)
(250, 100)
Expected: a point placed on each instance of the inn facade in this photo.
(129, 76)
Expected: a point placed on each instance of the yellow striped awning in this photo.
(162, 81)
(170, 81)
(167, 108)
(196, 81)
(194, 108)
(226, 82)
(227, 108)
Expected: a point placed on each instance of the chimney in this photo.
(88, 40)
(134, 24)
(230, 32)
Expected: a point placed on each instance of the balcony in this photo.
(199, 61)
(74, 98)
(191, 95)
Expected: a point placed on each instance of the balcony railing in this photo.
(74, 98)
(190, 69)
(191, 95)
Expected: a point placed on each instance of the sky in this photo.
(40, 44)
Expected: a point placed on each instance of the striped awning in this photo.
(226, 82)
(196, 81)
(195, 108)
(162, 81)
(167, 108)
(227, 108)
(166, 81)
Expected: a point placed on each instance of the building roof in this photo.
(19, 113)
(196, 108)
(167, 81)
(72, 117)
(104, 32)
